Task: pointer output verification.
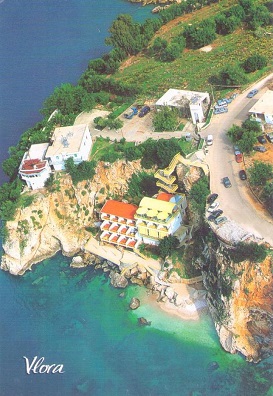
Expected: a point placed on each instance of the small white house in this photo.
(70, 141)
(263, 108)
(189, 103)
(34, 168)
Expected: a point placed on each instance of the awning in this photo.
(162, 215)
(141, 211)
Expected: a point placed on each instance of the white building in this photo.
(34, 168)
(70, 141)
(263, 108)
(189, 103)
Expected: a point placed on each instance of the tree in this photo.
(198, 194)
(167, 245)
(159, 45)
(249, 251)
(252, 126)
(268, 195)
(165, 119)
(235, 133)
(83, 171)
(200, 34)
(132, 153)
(258, 16)
(166, 150)
(232, 75)
(260, 172)
(247, 141)
(172, 52)
(141, 184)
(254, 62)
(226, 25)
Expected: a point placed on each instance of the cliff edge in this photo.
(240, 299)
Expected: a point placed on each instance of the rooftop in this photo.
(66, 140)
(153, 205)
(120, 209)
(177, 97)
(32, 166)
(163, 196)
(264, 105)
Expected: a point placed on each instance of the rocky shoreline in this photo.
(176, 299)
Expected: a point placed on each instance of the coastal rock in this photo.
(212, 366)
(118, 280)
(179, 300)
(169, 293)
(134, 271)
(144, 322)
(134, 303)
(136, 281)
(77, 262)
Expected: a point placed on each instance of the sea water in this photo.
(74, 317)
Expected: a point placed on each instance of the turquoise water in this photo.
(75, 318)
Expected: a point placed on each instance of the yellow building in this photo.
(160, 217)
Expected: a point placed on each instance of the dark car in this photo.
(220, 220)
(261, 139)
(242, 175)
(215, 214)
(145, 110)
(270, 137)
(252, 93)
(226, 182)
(212, 198)
(261, 149)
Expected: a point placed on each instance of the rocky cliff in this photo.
(56, 221)
(146, 2)
(240, 300)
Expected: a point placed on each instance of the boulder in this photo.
(134, 271)
(77, 262)
(134, 303)
(118, 280)
(143, 322)
(179, 300)
(136, 281)
(212, 366)
(169, 293)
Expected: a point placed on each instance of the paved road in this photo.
(236, 202)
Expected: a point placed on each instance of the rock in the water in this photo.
(143, 322)
(122, 295)
(134, 303)
(77, 262)
(212, 366)
(118, 280)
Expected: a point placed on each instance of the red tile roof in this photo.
(164, 196)
(33, 166)
(120, 209)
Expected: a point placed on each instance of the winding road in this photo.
(237, 201)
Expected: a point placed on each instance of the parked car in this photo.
(211, 198)
(222, 102)
(227, 100)
(236, 150)
(270, 137)
(213, 206)
(252, 93)
(145, 110)
(209, 140)
(261, 139)
(220, 110)
(239, 157)
(226, 182)
(261, 149)
(220, 220)
(217, 213)
(133, 111)
(242, 175)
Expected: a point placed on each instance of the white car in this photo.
(213, 206)
(209, 140)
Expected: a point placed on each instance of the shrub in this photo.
(167, 245)
(248, 251)
(254, 62)
(260, 172)
(198, 194)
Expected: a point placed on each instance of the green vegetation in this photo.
(254, 62)
(84, 171)
(198, 194)
(246, 135)
(165, 120)
(248, 251)
(140, 185)
(260, 173)
(167, 245)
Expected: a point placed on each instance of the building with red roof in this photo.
(118, 224)
(34, 168)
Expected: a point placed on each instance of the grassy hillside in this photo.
(193, 68)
